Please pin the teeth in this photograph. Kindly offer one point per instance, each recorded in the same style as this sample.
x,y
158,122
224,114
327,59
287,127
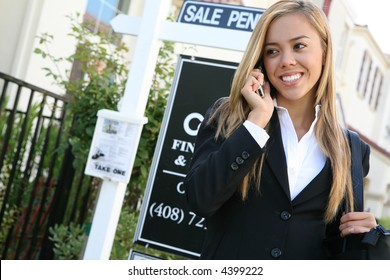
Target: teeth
x,y
291,78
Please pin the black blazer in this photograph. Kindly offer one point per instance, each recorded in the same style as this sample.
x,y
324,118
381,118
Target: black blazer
x,y
267,225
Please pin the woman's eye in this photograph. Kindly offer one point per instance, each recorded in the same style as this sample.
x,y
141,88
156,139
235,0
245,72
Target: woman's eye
x,y
270,51
299,46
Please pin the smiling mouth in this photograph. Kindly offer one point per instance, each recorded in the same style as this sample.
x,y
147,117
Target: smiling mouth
x,y
291,78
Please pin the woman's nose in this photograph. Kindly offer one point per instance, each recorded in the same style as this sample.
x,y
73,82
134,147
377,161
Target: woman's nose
x,y
287,59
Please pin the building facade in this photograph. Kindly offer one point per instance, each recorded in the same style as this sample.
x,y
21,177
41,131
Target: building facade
x,y
363,84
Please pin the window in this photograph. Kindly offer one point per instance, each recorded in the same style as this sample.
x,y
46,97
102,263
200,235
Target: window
x,y
364,76
361,72
98,14
369,84
377,90
101,12
373,86
367,78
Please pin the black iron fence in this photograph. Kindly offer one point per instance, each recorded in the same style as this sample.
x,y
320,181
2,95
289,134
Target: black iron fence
x,y
39,187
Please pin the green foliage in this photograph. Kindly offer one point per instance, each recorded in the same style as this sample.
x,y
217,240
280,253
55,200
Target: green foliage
x,y
385,222
124,236
101,61
68,241
16,136
8,220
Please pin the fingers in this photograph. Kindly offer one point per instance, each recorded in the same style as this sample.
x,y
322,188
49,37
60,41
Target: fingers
x,y
260,104
353,230
254,93
254,84
356,222
250,87
259,76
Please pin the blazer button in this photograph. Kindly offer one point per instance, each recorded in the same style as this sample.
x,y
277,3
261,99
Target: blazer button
x,y
285,215
245,155
234,166
276,253
239,160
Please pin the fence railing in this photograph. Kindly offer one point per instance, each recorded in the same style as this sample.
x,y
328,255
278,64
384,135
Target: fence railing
x,y
38,185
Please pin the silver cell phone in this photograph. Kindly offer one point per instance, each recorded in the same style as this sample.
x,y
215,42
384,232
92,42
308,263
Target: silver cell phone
x,y
260,90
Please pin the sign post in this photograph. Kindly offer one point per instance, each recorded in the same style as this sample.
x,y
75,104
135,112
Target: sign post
x,y
132,107
149,29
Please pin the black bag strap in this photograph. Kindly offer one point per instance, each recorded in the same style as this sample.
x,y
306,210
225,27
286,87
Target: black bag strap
x,y
356,170
357,178
372,237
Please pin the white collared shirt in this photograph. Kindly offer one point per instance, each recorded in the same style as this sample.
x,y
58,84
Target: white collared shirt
x,y
304,158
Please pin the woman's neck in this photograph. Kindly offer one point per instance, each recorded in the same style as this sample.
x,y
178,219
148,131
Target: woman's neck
x,y
301,112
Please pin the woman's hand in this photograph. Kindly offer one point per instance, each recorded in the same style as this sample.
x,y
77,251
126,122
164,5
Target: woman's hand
x,y
261,107
356,222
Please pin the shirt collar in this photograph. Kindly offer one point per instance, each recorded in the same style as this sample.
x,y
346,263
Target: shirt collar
x,y
317,109
287,125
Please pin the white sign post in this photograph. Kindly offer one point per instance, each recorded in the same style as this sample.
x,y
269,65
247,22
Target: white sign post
x,y
132,106
149,29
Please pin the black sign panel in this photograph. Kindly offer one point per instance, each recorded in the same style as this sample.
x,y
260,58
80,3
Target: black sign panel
x,y
166,222
220,15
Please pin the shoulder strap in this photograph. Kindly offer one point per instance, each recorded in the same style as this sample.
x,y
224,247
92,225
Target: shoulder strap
x,y
356,169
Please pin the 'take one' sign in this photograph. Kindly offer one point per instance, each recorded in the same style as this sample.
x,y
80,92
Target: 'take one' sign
x,y
220,15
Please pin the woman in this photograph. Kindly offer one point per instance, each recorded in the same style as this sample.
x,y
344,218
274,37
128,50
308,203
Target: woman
x,y
270,174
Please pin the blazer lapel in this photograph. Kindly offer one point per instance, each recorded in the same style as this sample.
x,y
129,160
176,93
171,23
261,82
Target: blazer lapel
x,y
275,155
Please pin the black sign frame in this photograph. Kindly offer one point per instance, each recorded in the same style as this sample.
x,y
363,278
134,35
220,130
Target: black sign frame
x,y
165,221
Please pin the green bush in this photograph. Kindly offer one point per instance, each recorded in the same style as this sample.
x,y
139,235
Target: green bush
x,y
124,237
9,218
68,241
103,68
385,222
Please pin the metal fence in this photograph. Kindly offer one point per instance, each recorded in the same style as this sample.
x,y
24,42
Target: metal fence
x,y
39,187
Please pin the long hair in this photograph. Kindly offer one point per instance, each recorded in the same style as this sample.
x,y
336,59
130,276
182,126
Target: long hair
x,y
233,111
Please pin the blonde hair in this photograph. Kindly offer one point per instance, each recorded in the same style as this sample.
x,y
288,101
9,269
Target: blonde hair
x,y
233,111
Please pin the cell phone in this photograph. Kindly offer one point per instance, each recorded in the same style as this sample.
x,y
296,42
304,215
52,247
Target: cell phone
x,y
260,91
